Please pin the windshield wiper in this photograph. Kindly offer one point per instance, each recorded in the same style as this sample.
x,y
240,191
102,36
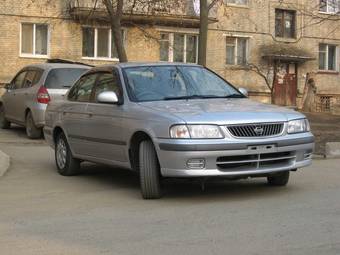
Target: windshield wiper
x,y
187,97
203,97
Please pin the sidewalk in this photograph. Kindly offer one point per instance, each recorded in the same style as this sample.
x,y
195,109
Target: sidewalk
x,y
326,128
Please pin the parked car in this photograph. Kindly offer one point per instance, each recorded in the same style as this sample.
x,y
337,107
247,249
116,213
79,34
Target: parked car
x,y
32,88
174,120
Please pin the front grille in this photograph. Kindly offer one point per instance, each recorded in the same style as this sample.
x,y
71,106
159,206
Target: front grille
x,y
256,130
255,161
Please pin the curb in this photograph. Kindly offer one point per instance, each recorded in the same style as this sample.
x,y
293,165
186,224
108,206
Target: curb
x,y
4,163
332,150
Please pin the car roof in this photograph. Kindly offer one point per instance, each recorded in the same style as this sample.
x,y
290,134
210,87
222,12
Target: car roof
x,y
47,66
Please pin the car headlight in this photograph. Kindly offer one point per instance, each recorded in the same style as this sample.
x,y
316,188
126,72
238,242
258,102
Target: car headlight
x,y
298,126
195,132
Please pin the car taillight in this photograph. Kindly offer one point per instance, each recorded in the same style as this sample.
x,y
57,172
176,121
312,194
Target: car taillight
x,y
43,97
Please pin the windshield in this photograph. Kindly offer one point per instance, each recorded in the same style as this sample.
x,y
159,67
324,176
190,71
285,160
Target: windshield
x,y
155,83
63,77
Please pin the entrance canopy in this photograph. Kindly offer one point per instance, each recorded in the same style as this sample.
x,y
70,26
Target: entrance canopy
x,y
285,52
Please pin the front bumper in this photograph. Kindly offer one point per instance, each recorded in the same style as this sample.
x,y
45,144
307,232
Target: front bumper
x,y
235,158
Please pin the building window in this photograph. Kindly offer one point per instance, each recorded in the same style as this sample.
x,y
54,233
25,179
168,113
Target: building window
x,y
236,2
237,50
98,43
34,39
327,57
177,47
284,23
330,6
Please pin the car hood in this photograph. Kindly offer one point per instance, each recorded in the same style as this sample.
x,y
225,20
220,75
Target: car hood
x,y
223,111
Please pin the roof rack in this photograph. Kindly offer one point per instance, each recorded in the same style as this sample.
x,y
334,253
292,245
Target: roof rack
x,y
65,61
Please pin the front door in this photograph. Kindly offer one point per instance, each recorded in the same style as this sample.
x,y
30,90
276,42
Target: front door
x,y
104,125
285,83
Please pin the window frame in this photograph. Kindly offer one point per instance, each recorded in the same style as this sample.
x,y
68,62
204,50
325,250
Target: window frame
x,y
171,46
226,2
282,24
236,38
327,8
95,45
33,54
326,64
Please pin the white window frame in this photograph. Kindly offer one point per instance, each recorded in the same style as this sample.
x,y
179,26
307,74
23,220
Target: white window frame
x,y
326,59
235,4
327,8
95,55
33,54
171,44
236,37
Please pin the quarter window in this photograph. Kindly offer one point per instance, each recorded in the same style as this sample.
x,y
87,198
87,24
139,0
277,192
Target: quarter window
x,y
330,6
327,57
29,79
34,39
236,50
99,43
284,23
178,47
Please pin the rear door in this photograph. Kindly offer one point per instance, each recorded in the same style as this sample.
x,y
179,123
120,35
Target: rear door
x,y
23,95
75,115
104,127
10,98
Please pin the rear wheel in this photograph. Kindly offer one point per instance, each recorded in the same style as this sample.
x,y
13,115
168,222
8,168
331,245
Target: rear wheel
x,y
149,171
280,179
4,123
66,164
32,131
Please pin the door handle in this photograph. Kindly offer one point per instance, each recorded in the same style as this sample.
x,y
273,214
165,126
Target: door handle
x,y
90,114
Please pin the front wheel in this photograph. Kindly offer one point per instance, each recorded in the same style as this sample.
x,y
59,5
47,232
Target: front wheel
x,y
280,179
4,123
149,171
66,164
32,131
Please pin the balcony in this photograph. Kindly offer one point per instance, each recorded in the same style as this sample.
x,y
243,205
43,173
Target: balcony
x,y
182,13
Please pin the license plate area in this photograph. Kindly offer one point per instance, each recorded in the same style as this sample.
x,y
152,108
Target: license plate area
x,y
266,148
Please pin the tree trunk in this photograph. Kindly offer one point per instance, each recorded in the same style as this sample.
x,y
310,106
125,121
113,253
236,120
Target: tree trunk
x,y
119,40
203,37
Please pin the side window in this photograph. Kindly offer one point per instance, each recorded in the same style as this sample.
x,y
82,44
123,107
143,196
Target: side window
x,y
29,79
18,80
83,89
107,82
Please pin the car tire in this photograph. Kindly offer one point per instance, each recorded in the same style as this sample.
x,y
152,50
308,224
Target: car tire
x,y
32,131
66,164
280,179
4,123
149,171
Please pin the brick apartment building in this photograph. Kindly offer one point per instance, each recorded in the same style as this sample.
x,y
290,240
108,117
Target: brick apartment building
x,y
249,42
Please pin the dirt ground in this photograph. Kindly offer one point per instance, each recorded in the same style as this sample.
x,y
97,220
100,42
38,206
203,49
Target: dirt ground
x,y
326,128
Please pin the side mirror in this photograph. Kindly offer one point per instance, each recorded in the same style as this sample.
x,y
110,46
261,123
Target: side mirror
x,y
107,97
243,91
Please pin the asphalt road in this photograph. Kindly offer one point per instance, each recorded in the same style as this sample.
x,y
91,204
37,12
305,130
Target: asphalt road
x,y
101,211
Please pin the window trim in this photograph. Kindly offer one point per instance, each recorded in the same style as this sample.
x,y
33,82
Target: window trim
x,y
33,54
171,45
237,5
95,57
236,37
326,70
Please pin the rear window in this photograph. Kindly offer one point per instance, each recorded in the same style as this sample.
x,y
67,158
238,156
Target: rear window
x,y
63,77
